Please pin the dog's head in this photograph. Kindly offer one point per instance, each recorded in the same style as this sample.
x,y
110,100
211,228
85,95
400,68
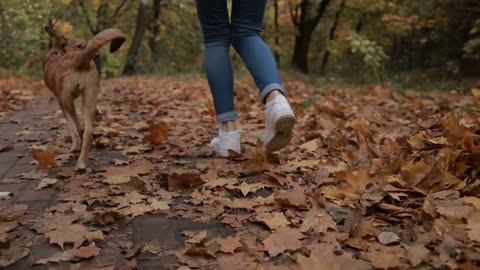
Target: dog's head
x,y
63,43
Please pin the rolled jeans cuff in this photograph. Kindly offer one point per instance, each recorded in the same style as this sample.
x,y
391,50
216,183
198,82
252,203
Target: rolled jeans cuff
x,y
269,88
227,116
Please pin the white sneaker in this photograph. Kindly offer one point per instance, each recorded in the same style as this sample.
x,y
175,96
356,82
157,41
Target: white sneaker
x,y
280,120
224,141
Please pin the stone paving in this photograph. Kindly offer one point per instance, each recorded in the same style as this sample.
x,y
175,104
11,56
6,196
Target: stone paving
x,y
18,160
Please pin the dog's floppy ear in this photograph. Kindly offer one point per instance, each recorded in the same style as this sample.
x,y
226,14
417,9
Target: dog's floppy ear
x,y
60,39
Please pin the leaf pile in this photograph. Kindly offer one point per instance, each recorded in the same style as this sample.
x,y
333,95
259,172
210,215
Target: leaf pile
x,y
373,179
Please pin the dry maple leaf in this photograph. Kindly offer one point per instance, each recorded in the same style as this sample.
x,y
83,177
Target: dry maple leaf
x,y
87,252
415,172
46,159
474,227
283,239
295,198
45,182
229,245
62,256
182,180
417,254
274,220
159,205
324,257
157,133
121,175
388,238
281,179
317,220
75,233
12,254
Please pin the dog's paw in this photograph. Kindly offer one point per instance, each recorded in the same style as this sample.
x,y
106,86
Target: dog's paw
x,y
81,167
75,149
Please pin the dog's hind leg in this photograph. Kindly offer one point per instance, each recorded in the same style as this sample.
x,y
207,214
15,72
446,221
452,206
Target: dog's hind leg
x,y
89,110
73,124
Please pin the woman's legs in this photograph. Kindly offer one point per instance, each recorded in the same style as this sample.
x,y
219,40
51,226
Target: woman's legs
x,y
213,16
246,26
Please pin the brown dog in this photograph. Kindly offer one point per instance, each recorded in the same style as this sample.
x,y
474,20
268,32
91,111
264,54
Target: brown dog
x,y
69,72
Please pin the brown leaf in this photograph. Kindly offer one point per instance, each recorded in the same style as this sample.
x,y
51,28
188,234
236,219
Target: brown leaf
x,y
415,172
196,238
46,159
45,182
274,220
11,255
388,238
153,247
416,254
87,252
283,239
317,220
229,245
76,234
295,198
157,133
324,257
184,180
474,227
62,256
121,175
281,179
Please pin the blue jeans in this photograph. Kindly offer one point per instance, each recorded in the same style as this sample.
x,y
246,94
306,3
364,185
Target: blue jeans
x,y
243,33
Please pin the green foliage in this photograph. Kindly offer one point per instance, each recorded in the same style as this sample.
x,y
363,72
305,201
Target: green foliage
x,y
372,54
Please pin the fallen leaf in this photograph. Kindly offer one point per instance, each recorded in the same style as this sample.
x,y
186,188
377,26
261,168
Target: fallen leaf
x,y
76,234
120,175
196,238
474,227
159,205
229,245
87,252
416,254
324,257
157,133
153,247
11,255
246,188
295,198
317,220
283,239
46,159
62,256
46,182
388,238
415,172
281,179
183,180
274,220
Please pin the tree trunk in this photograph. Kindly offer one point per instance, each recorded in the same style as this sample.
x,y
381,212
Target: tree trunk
x,y
306,26
326,56
141,26
154,28
277,38
300,51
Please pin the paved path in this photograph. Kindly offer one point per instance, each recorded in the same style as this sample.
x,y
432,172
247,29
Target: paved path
x,y
18,160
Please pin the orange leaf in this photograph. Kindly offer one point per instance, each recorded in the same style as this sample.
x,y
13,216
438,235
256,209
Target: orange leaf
x,y
46,159
157,133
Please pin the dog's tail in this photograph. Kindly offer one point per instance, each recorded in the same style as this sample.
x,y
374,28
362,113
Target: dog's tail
x,y
112,35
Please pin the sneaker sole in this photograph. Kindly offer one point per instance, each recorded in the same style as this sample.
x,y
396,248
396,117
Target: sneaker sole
x,y
283,133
